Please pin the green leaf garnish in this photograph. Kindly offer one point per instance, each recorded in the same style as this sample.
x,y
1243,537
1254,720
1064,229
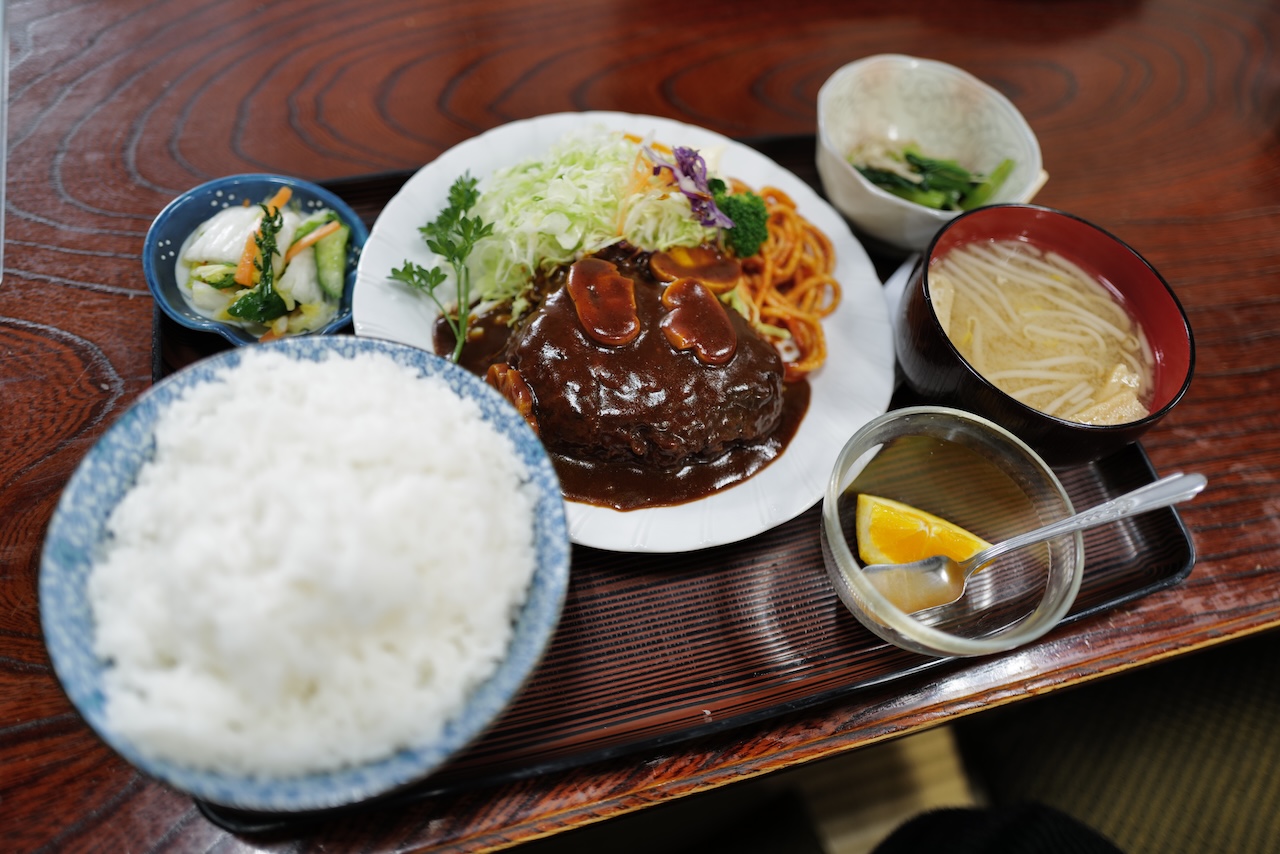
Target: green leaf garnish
x,y
451,235
261,304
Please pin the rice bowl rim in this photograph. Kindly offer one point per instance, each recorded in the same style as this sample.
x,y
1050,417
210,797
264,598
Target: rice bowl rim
x,y
109,469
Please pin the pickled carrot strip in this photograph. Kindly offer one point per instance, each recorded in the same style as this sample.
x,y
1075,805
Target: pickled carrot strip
x,y
244,269
311,237
280,199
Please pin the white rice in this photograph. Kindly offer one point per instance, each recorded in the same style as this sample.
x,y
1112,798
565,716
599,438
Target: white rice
x,y
320,564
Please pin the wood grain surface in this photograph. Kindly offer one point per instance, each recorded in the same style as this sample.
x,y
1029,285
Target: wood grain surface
x,y
1158,120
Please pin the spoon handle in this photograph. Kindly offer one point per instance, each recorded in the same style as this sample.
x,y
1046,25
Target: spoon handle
x,y
1170,489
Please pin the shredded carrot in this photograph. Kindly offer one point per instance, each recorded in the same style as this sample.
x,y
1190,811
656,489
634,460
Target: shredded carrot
x,y
310,238
640,180
245,269
656,146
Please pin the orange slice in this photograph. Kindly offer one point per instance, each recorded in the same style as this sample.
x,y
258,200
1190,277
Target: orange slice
x,y
892,532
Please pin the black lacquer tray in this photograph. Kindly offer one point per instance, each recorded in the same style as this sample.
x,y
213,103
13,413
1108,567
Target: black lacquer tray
x,y
655,649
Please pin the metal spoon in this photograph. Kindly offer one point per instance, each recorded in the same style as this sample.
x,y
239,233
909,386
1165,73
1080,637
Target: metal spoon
x,y
939,580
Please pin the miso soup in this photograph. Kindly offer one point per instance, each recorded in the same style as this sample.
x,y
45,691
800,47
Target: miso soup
x,y
1043,330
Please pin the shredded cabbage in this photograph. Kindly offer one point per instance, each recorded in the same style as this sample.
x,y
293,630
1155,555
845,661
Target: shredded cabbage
x,y
589,191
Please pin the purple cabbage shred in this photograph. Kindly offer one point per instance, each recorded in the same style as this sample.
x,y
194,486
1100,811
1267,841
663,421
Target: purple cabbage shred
x,y
690,174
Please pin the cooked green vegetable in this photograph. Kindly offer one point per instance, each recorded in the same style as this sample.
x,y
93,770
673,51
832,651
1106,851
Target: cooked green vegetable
x,y
262,304
750,218
451,235
982,193
930,181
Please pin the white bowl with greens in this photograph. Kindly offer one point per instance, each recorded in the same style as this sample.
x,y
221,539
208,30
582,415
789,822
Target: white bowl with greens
x,y
907,144
200,255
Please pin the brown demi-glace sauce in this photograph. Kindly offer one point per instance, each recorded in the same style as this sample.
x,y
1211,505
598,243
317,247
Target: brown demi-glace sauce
x,y
645,392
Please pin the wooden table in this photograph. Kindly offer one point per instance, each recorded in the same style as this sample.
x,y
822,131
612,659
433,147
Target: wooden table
x,y
1157,121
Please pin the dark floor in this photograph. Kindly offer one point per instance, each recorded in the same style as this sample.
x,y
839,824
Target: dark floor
x,y
1177,757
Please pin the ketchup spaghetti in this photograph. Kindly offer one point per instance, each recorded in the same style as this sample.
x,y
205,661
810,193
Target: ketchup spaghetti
x,y
788,285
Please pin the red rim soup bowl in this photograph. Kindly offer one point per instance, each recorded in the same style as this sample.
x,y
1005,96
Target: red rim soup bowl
x,y
937,373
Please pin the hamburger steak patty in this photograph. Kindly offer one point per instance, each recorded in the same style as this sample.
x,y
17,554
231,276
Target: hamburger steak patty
x,y
643,401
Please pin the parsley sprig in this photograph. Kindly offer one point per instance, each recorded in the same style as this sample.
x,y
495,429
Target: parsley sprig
x,y
451,235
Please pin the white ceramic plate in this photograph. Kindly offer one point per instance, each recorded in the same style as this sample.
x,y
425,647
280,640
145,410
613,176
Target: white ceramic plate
x,y
853,387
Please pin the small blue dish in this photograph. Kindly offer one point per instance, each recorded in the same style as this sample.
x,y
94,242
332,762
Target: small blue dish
x,y
173,225
109,470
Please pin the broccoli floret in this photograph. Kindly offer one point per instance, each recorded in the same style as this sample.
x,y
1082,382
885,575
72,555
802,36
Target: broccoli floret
x,y
749,215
